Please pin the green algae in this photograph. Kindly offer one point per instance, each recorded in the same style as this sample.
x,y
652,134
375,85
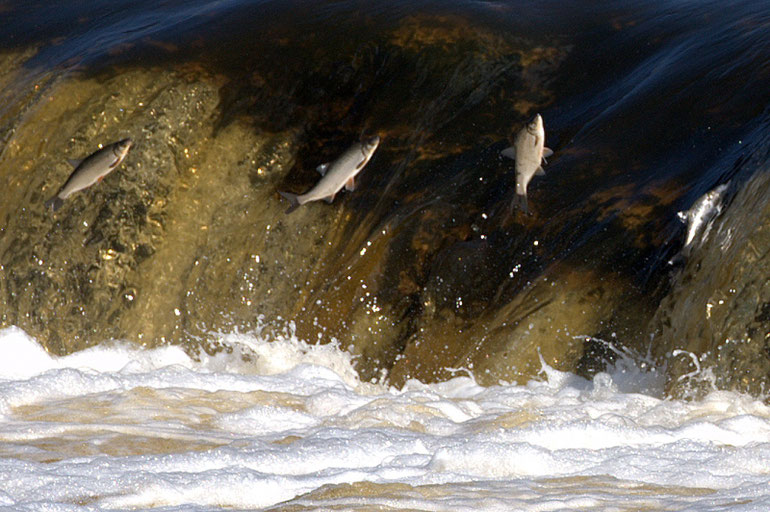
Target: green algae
x,y
419,272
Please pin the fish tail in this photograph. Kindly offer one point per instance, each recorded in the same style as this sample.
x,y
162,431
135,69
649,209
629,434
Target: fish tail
x,y
54,203
292,198
520,202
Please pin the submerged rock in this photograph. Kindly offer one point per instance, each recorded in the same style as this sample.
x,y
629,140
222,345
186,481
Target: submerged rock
x,y
418,272
545,322
114,262
189,238
713,328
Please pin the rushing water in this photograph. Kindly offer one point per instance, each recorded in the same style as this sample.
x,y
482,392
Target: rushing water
x,y
171,340
113,428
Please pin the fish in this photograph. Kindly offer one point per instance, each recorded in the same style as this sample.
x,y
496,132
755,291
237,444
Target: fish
x,y
91,170
529,151
700,217
337,174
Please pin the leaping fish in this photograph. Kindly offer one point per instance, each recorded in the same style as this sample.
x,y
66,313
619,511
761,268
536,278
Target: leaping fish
x,y
529,151
91,170
700,216
337,174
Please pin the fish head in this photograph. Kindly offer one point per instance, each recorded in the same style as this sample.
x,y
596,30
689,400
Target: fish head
x,y
535,127
122,147
369,145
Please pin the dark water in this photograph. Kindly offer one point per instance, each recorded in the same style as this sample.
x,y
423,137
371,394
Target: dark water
x,y
647,106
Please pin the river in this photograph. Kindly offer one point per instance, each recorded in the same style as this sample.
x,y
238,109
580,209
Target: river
x,y
173,340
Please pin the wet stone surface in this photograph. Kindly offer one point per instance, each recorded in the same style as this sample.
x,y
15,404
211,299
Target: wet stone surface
x,y
423,269
713,328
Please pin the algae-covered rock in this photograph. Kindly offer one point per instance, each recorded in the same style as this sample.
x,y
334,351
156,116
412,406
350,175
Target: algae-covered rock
x,y
547,321
713,328
420,269
124,258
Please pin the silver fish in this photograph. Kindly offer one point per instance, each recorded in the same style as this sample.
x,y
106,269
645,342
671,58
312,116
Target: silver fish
x,y
529,151
337,174
91,170
700,216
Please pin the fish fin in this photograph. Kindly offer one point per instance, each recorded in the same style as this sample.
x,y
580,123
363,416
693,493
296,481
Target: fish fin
x,y
520,202
75,162
350,184
540,172
322,169
547,152
509,152
329,199
292,198
682,216
54,203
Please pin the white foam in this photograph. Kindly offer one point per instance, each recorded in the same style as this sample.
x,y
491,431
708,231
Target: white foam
x,y
118,427
30,359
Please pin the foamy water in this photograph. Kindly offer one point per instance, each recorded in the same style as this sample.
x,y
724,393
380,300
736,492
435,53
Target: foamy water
x,y
292,428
